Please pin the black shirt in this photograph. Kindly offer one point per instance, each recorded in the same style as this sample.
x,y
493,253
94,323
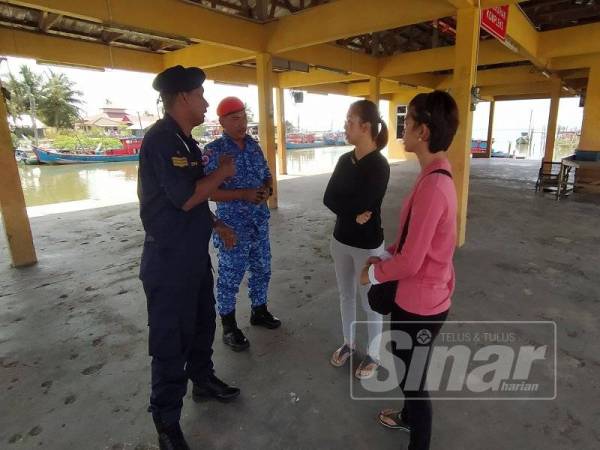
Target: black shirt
x,y
357,186
176,243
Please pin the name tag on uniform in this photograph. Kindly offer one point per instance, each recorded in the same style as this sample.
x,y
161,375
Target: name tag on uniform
x,y
180,161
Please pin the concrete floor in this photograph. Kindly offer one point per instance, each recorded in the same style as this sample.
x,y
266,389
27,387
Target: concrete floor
x,y
73,352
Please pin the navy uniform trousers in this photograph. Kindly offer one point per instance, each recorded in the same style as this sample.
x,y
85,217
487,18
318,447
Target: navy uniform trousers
x,y
182,330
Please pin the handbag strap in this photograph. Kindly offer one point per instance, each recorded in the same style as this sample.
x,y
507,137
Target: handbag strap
x,y
407,221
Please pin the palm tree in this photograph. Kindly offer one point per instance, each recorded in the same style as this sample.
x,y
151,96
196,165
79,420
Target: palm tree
x,y
25,92
25,95
60,101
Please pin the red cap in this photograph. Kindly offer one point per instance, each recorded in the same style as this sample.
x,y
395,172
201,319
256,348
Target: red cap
x,y
230,105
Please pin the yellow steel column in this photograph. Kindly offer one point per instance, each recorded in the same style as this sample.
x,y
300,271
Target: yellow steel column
x,y
12,201
588,178
280,125
374,89
552,119
266,128
490,131
590,130
465,60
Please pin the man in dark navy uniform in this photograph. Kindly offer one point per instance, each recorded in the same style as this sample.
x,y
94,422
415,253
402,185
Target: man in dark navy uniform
x,y
176,270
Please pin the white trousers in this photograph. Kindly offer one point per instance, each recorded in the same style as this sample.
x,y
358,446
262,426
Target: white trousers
x,y
349,262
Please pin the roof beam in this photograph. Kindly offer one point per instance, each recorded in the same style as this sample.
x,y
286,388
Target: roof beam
x,y
314,77
336,57
109,37
47,20
491,77
334,88
235,75
427,80
517,89
156,45
570,41
345,18
168,17
574,62
521,32
76,52
442,58
386,87
205,56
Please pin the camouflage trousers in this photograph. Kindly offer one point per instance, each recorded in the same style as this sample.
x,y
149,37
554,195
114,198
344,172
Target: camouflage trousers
x,y
252,253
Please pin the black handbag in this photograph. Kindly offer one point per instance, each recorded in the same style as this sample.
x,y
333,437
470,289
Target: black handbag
x,y
383,296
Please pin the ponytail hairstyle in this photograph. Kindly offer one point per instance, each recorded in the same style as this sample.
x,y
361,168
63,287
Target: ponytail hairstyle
x,y
368,112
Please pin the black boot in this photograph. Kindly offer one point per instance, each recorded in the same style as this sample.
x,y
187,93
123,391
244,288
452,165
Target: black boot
x,y
170,436
262,317
214,389
232,335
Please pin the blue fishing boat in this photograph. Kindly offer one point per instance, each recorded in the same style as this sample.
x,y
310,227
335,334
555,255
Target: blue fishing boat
x,y
54,157
130,151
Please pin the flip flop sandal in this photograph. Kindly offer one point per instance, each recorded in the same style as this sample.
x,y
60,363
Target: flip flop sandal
x,y
367,368
341,355
395,417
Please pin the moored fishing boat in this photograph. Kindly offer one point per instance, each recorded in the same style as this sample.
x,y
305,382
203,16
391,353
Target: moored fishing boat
x,y
129,151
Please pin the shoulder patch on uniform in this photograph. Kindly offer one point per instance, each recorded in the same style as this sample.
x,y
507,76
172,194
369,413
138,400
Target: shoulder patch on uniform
x,y
180,161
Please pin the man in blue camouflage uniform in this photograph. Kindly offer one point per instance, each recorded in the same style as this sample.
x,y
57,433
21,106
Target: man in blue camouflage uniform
x,y
175,269
241,204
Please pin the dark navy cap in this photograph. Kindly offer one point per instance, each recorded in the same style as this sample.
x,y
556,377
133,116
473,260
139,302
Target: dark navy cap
x,y
178,79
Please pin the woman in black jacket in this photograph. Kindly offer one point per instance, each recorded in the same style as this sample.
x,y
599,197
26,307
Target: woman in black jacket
x,y
355,193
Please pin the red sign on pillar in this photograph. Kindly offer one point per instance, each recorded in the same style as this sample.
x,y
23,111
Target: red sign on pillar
x,y
495,20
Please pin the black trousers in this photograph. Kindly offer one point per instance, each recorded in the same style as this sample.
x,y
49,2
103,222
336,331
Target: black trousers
x,y
417,411
182,330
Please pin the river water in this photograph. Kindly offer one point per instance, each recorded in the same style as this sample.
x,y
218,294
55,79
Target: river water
x,y
94,185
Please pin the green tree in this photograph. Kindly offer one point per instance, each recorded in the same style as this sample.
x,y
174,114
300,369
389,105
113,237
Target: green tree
x,y
59,104
54,97
25,91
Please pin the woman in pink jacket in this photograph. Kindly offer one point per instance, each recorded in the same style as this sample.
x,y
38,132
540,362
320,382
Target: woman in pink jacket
x,y
421,260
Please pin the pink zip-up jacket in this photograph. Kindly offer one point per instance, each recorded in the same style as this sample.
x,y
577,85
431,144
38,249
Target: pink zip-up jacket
x,y
424,268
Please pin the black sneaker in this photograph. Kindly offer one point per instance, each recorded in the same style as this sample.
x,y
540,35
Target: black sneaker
x,y
232,335
214,389
170,437
261,316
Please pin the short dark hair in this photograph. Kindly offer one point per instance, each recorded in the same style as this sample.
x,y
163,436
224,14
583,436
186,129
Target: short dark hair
x,y
367,111
439,112
168,99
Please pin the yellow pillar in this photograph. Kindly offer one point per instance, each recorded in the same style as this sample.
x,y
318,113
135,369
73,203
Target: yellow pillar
x,y
374,90
266,128
552,119
490,131
588,178
590,130
465,60
280,122
12,201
